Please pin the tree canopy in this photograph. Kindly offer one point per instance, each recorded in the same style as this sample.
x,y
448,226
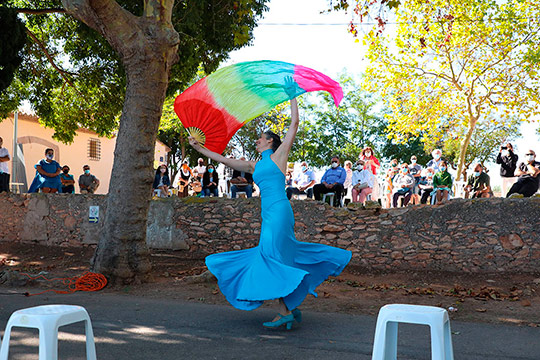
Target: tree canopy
x,y
73,78
324,130
452,65
107,65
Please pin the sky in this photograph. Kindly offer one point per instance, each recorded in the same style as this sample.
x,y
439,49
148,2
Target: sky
x,y
329,49
326,48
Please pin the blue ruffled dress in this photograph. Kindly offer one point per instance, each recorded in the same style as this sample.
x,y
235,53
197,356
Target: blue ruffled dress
x,y
41,181
280,266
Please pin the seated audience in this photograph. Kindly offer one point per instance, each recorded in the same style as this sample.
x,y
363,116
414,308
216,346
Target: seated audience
x,y
435,163
210,181
241,182
331,182
303,182
528,173
200,169
88,183
289,177
426,186
442,183
196,186
183,182
478,184
68,181
390,174
162,180
4,168
372,164
508,161
362,183
47,175
403,184
370,161
348,179
416,171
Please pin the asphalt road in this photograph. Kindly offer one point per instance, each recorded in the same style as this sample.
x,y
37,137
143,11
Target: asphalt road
x,y
128,327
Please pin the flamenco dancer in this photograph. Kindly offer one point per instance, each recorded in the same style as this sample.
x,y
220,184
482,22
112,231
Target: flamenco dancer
x,y
280,267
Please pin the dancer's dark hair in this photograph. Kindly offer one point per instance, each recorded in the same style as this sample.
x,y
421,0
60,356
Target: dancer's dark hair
x,y
276,141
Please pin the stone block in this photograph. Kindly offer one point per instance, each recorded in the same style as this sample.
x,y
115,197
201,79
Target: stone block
x,y
511,241
333,228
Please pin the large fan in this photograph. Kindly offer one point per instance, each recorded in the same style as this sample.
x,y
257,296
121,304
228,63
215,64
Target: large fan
x,y
215,107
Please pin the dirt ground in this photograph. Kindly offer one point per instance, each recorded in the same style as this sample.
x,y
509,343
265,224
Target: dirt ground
x,y
502,298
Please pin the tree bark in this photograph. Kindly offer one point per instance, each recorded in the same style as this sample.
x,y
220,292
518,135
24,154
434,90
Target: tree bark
x,y
148,47
122,251
464,146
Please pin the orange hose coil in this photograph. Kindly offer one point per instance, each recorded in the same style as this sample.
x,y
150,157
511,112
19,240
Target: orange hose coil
x,y
89,281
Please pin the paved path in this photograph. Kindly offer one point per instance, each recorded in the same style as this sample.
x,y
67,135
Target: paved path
x,y
128,327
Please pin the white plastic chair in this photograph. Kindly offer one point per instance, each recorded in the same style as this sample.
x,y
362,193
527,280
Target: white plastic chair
x,y
300,196
331,196
238,193
386,331
48,318
434,198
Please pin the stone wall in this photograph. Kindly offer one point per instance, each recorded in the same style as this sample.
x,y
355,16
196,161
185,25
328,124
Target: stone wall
x,y
481,235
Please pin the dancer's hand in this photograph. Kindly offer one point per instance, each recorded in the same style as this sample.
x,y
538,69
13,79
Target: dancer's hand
x,y
290,87
194,143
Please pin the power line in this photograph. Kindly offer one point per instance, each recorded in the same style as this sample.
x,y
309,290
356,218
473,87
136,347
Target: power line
x,y
457,20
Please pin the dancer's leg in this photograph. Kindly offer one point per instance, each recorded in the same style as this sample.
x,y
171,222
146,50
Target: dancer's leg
x,y
283,308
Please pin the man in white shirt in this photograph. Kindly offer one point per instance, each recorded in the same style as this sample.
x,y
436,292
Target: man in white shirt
x,y
436,161
302,182
362,183
415,170
200,169
4,168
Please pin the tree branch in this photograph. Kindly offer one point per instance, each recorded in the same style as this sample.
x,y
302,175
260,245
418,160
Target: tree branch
x,y
40,11
159,9
62,72
441,76
108,18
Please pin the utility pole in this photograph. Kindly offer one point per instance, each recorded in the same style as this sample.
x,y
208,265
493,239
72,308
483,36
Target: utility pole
x,y
15,148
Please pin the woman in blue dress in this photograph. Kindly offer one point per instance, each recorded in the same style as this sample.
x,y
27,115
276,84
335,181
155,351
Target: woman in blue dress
x,y
280,267
47,175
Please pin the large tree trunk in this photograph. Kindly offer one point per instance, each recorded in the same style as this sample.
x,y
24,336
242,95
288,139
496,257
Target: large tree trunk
x,y
122,251
464,146
148,47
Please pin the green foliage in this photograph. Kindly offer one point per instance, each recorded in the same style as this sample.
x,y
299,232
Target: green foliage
x,y
484,145
326,131
404,151
453,65
12,38
243,142
82,82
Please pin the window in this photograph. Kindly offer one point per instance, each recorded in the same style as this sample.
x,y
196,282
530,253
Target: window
x,y
94,149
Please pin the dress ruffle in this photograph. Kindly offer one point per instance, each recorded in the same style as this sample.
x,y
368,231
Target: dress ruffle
x,y
279,266
247,278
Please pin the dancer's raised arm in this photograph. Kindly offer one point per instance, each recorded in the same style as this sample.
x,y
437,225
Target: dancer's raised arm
x,y
281,155
240,165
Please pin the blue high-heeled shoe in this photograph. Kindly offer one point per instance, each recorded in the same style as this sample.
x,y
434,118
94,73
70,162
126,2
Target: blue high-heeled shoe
x,y
297,315
286,320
